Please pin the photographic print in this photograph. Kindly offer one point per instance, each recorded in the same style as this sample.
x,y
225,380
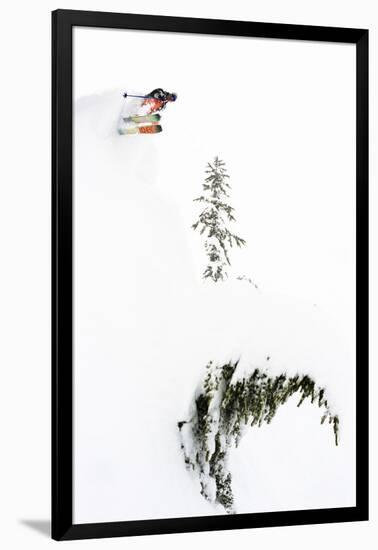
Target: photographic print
x,y
214,277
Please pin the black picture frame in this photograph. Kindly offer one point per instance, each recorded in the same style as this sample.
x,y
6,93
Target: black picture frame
x,y
63,22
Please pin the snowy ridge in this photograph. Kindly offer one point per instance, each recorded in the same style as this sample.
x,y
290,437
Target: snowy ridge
x,y
145,338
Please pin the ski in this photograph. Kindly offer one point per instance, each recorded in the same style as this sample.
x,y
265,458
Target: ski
x,y
150,129
147,118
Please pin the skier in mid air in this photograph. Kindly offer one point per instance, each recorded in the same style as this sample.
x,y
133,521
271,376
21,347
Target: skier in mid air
x,y
143,112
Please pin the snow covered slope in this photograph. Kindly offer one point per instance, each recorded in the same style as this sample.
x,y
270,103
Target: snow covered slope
x,y
145,326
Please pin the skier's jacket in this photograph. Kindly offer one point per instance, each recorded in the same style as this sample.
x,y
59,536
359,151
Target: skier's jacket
x,y
152,104
157,100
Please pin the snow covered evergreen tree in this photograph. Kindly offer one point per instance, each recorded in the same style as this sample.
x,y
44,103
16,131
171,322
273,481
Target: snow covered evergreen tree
x,y
223,409
214,219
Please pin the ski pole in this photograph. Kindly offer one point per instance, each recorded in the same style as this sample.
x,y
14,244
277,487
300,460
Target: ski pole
x,y
131,95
